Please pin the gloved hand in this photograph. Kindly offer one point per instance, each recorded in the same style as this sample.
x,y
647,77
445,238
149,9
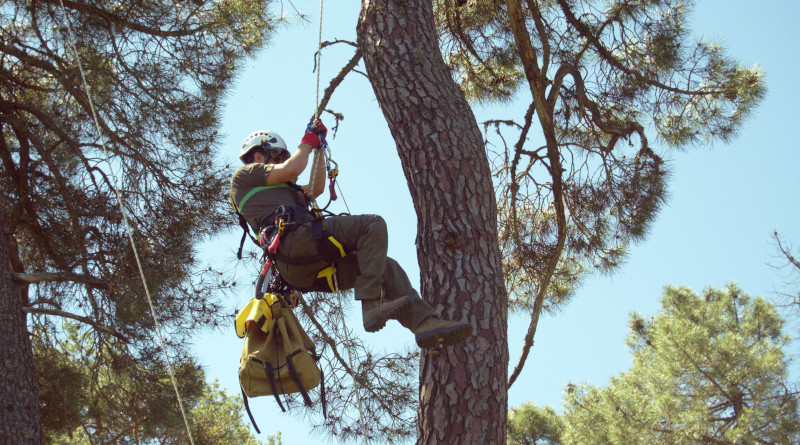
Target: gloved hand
x,y
315,133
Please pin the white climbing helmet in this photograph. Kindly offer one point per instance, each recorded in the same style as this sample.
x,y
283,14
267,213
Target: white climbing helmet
x,y
269,140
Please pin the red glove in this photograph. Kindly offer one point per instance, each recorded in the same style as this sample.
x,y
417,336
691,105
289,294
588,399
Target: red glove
x,y
311,139
319,128
313,132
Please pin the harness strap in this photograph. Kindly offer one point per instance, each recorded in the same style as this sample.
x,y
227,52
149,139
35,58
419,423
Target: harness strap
x,y
245,232
329,249
243,222
258,189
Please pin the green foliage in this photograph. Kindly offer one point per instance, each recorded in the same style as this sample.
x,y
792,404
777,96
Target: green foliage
x,y
707,369
578,178
111,404
531,425
157,72
274,439
486,72
217,419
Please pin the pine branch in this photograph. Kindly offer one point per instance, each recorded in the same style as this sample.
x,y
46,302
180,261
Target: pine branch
x,y
326,95
786,251
536,81
115,19
332,343
606,54
82,319
38,277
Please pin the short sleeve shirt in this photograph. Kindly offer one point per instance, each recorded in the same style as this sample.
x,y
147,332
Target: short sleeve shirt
x,y
263,203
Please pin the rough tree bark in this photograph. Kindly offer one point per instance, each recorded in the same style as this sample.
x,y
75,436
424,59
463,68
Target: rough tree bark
x,y
20,418
463,396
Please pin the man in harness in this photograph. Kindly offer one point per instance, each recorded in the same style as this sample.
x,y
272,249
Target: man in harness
x,y
265,186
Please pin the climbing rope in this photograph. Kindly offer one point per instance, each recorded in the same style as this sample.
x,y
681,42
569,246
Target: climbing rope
x,y
125,218
350,359
318,64
319,61
324,158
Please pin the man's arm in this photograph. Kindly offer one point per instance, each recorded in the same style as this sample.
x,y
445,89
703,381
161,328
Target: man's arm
x,y
290,169
318,175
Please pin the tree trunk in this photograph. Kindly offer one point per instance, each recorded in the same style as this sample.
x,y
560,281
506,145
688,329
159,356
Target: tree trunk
x,y
20,419
463,396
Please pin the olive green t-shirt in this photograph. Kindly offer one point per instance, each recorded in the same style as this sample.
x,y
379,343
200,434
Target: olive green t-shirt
x,y
263,203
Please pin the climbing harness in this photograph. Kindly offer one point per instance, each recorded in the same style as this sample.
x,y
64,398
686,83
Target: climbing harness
x,y
128,229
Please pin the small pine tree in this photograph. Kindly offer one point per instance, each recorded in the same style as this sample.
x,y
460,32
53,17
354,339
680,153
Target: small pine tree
x,y
707,369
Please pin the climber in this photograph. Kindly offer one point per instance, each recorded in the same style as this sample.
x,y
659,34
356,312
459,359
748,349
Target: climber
x,y
379,282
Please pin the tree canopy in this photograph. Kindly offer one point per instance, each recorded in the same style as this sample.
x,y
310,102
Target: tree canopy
x,y
532,425
157,73
612,86
609,88
708,368
85,403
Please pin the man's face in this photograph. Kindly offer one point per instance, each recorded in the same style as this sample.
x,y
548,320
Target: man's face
x,y
267,156
273,156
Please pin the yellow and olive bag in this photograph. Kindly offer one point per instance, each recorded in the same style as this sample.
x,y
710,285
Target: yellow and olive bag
x,y
278,356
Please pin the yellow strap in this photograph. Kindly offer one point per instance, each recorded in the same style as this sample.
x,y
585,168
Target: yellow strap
x,y
338,246
328,274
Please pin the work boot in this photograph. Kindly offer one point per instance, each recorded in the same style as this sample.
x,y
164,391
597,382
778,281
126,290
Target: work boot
x,y
435,331
376,312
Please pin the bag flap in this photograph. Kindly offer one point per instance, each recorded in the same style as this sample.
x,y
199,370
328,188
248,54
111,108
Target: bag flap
x,y
260,312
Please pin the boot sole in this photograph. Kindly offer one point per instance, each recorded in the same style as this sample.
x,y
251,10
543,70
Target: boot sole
x,y
444,336
377,322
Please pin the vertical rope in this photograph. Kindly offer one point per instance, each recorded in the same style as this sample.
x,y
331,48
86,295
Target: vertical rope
x,y
319,61
335,280
350,359
125,218
314,165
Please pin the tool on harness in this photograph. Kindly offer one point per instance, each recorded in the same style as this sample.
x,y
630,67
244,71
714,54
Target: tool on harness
x,y
333,173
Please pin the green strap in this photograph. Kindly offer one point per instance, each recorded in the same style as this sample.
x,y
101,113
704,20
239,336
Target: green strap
x,y
256,190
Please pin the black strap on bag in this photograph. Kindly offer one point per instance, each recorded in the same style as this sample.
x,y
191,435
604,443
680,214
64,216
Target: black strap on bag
x,y
250,414
270,372
296,378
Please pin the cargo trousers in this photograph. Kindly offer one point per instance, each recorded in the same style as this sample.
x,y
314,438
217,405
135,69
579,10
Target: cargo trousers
x,y
369,272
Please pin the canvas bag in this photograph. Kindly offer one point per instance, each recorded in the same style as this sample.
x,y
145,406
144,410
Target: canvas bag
x,y
278,356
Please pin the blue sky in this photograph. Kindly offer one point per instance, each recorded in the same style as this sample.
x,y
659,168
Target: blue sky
x,y
725,200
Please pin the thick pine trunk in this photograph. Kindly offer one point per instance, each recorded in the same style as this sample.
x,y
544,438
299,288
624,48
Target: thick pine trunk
x,y
20,419
463,396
